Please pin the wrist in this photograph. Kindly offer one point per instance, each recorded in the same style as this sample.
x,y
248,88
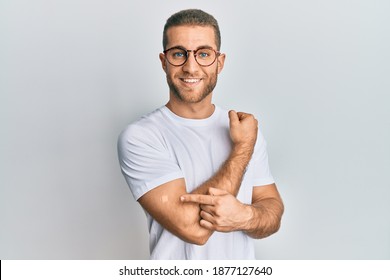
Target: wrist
x,y
243,148
243,152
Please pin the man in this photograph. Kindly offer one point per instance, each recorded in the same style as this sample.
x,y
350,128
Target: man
x,y
201,173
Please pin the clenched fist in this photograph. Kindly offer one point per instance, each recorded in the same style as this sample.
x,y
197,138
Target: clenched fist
x,y
243,129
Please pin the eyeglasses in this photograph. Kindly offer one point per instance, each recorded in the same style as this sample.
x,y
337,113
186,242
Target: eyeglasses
x,y
177,56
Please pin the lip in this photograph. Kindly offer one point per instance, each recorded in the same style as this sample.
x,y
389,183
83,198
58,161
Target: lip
x,y
191,81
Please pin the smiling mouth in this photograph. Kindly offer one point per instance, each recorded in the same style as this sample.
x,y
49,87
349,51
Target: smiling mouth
x,y
191,81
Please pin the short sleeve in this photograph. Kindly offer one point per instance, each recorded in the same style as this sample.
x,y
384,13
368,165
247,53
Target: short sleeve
x,y
145,160
261,170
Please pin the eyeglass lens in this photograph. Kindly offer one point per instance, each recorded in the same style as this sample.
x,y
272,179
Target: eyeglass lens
x,y
204,57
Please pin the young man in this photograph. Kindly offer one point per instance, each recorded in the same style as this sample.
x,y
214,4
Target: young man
x,y
200,172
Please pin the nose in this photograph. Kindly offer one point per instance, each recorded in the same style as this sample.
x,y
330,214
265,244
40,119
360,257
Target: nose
x,y
191,65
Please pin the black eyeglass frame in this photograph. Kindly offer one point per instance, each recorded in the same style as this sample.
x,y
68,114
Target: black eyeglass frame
x,y
217,54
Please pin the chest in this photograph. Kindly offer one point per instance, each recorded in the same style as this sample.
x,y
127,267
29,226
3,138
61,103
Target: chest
x,y
198,151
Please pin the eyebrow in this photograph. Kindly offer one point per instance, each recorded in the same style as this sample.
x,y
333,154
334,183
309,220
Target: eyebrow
x,y
199,47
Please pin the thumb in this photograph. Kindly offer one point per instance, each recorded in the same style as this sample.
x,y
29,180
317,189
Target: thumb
x,y
233,117
214,191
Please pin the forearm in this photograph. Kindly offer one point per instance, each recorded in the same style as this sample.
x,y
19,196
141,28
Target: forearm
x,y
183,218
228,178
263,218
221,211
230,175
243,133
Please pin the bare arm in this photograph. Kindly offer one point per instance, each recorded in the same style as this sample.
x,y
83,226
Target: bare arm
x,y
243,132
267,209
223,212
182,219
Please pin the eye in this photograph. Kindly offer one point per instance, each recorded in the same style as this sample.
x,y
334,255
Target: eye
x,y
178,54
203,54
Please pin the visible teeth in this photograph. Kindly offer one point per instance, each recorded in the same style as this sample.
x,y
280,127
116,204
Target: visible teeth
x,y
191,80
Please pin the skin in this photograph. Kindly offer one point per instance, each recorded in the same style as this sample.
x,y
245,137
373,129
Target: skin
x,y
193,101
212,206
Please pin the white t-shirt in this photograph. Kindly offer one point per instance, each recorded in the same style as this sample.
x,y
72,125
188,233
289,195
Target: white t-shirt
x,y
161,147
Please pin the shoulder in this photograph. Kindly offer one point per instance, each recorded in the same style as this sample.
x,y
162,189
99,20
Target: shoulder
x,y
147,129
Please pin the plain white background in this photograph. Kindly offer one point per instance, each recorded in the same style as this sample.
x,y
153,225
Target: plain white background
x,y
73,74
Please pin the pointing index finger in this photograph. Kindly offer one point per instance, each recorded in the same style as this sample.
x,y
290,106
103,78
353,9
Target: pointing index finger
x,y
198,198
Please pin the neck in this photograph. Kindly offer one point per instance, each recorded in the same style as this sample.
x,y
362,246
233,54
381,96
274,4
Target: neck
x,y
199,110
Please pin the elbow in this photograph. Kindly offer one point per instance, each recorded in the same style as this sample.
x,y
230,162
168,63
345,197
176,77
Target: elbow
x,y
265,232
198,236
272,226
276,227
277,220
276,217
190,230
199,241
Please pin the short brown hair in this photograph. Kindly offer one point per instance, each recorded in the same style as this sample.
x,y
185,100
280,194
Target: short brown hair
x,y
192,17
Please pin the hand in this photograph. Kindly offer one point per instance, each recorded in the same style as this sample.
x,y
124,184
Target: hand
x,y
243,129
220,211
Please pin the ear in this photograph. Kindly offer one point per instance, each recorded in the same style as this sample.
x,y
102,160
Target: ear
x,y
221,62
163,62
